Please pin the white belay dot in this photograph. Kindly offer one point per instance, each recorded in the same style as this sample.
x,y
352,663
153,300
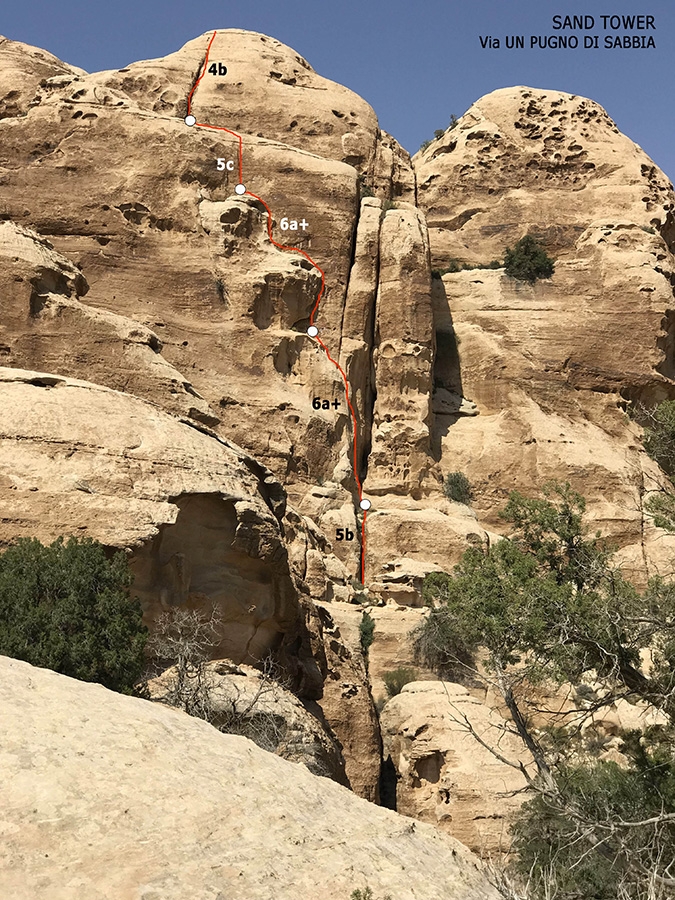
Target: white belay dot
x,y
190,120
365,504
312,331
240,188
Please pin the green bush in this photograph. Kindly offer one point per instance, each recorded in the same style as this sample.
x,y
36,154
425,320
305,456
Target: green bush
x,y
366,632
457,487
365,189
67,607
548,605
366,894
659,435
438,641
659,442
553,851
439,132
527,261
395,680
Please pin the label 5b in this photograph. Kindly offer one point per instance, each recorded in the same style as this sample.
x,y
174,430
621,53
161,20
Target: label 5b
x,y
344,534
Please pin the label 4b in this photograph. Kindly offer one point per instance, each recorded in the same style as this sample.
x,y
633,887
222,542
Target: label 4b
x,y
217,69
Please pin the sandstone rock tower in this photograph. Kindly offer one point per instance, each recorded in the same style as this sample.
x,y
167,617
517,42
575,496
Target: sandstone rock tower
x,y
160,391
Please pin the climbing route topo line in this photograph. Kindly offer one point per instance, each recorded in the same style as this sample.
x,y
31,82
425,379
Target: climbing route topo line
x,y
312,331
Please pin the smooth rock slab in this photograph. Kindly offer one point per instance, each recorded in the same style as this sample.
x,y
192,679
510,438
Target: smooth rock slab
x,y
107,797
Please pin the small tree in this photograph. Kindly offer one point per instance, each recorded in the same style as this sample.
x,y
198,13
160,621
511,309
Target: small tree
x,y
182,643
527,261
457,487
659,433
183,639
548,605
395,681
366,632
68,607
439,132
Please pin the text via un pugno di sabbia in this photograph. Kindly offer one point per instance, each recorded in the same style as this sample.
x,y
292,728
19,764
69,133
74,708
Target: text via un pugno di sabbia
x,y
619,32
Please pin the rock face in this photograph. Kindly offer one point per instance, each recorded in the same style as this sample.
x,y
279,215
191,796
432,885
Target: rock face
x,y
47,326
403,354
22,69
190,305
108,796
193,511
523,160
444,775
152,326
347,701
551,366
392,646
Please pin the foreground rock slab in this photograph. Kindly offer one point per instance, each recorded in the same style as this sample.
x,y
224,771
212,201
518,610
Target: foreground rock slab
x,y
106,796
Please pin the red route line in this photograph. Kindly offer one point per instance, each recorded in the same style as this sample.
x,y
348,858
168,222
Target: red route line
x,y
197,82
318,299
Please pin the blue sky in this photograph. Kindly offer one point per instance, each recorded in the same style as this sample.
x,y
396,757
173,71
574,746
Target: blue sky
x,y
415,62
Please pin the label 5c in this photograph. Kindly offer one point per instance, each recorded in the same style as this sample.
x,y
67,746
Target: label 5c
x,y
223,164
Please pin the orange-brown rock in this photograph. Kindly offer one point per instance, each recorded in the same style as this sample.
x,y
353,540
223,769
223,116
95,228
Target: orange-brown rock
x,y
347,701
23,69
130,264
162,240
550,366
201,521
525,160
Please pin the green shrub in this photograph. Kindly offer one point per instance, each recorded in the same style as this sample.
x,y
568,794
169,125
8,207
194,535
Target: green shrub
x,y
659,434
395,680
553,850
366,632
437,641
439,132
365,189
67,607
548,605
454,265
366,894
527,261
457,487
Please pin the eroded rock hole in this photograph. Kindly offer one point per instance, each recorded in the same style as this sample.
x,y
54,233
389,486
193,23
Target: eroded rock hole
x,y
203,562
